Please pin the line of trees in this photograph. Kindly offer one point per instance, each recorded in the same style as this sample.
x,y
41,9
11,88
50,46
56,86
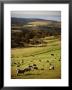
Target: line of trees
x,y
32,35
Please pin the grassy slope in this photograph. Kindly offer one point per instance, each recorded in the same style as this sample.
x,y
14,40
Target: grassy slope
x,y
39,56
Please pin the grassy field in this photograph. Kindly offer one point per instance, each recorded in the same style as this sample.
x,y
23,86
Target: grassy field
x,y
41,56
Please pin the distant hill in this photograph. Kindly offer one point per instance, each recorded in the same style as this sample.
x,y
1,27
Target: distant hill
x,y
34,21
19,24
15,20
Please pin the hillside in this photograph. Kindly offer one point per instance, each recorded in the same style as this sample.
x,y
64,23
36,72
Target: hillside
x,y
35,49
33,21
25,29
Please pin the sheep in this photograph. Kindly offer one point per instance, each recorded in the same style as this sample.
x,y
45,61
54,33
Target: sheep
x,y
27,69
18,65
51,67
50,63
23,71
19,71
59,60
52,54
34,65
15,63
39,60
31,67
36,68
42,68
47,60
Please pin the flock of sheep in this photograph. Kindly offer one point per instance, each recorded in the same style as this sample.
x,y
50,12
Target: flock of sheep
x,y
34,67
31,68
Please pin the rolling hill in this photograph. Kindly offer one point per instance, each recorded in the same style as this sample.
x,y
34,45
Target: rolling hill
x,y
34,21
24,29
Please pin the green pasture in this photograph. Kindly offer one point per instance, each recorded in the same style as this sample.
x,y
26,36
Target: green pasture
x,y
41,56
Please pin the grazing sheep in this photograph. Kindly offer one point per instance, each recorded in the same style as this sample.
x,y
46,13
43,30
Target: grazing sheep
x,y
19,71
15,63
27,69
36,68
50,64
18,65
31,67
42,68
47,60
52,54
23,71
59,60
51,67
34,65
